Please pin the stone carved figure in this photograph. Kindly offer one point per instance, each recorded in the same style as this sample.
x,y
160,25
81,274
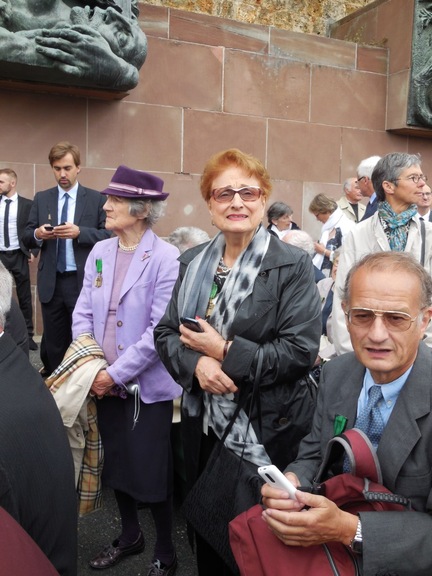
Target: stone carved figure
x,y
420,98
92,43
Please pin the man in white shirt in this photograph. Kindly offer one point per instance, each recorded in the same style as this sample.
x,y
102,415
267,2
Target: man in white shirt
x,y
424,203
14,213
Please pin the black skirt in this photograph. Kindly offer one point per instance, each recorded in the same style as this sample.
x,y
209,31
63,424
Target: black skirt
x,y
137,461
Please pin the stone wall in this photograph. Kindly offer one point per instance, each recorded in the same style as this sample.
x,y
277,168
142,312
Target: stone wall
x,y
310,107
309,16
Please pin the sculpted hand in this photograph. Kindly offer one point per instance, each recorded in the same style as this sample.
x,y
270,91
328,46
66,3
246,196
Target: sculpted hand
x,y
211,377
323,522
209,342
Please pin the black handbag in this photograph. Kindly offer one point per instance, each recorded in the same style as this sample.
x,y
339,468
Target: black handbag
x,y
227,486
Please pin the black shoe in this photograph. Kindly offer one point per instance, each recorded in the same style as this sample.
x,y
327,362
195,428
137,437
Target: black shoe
x,y
32,344
157,568
113,553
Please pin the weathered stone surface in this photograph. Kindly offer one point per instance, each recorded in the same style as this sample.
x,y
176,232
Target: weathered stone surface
x,y
310,16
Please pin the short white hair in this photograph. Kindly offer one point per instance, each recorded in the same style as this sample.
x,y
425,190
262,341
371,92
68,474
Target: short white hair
x,y
301,239
366,166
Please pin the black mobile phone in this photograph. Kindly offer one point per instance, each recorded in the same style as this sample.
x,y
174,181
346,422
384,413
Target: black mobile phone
x,y
192,324
48,227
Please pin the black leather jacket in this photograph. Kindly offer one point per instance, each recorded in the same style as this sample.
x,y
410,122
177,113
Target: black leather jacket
x,y
282,315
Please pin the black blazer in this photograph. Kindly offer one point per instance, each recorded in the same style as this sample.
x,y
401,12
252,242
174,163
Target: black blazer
x,y
89,216
37,481
24,207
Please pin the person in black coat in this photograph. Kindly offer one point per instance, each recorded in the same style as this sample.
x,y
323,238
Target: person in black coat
x,y
37,485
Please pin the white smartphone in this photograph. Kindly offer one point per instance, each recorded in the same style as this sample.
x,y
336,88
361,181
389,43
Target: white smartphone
x,y
273,476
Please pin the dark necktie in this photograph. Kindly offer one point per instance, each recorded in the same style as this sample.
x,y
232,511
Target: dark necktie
x,y
61,243
370,420
6,223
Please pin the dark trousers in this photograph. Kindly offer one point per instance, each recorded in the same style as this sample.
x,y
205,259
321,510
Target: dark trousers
x,y
17,263
57,320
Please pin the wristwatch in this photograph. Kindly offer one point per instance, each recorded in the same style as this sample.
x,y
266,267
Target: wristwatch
x,y
356,543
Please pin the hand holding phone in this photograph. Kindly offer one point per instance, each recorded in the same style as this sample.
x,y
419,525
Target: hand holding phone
x,y
273,476
48,227
192,324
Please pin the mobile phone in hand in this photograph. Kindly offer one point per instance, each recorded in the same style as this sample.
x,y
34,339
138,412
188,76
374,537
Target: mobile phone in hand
x,y
48,227
192,324
273,476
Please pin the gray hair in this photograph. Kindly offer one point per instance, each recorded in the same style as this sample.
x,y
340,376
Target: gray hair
x,y
277,210
5,293
139,205
366,166
301,239
395,262
390,167
186,237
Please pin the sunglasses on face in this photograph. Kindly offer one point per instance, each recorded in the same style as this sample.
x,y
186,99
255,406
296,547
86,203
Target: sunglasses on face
x,y
226,194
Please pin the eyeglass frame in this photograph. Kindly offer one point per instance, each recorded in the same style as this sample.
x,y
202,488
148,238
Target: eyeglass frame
x,y
382,314
425,193
361,178
415,178
236,191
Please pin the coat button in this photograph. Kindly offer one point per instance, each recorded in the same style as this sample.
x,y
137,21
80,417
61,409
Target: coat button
x,y
120,347
283,421
120,323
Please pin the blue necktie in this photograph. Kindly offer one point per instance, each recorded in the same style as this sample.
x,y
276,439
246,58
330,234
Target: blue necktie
x,y
370,420
61,243
6,224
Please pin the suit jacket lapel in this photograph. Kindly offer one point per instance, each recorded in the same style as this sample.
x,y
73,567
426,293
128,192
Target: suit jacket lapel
x,y
139,262
52,207
80,203
402,432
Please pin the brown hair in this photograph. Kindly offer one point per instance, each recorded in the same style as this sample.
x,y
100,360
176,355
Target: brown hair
x,y
234,157
322,204
11,173
60,150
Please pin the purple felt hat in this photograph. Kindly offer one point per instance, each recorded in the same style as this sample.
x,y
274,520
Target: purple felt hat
x,y
132,183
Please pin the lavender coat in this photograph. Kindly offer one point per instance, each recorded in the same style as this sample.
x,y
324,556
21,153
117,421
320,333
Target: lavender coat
x,y
144,295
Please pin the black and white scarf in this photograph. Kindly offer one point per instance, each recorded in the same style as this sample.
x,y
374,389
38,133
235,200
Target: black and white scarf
x,y
193,301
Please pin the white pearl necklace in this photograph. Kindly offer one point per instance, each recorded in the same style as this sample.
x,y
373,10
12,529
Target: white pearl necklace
x,y
128,248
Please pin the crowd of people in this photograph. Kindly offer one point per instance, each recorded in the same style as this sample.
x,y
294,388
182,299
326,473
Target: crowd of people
x,y
132,322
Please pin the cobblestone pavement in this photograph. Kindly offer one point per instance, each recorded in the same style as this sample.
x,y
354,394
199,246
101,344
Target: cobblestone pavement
x,y
100,528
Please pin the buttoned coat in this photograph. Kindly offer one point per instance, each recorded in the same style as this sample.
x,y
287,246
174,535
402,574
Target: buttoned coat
x,y
89,216
144,296
393,542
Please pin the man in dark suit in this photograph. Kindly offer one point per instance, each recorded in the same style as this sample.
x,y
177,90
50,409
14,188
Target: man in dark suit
x,y
424,203
65,222
14,213
388,305
364,182
37,486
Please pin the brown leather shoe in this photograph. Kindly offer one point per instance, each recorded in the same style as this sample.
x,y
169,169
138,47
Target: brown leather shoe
x,y
113,553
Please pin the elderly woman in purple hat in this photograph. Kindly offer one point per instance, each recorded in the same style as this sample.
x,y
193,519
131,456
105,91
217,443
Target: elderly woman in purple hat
x,y
128,282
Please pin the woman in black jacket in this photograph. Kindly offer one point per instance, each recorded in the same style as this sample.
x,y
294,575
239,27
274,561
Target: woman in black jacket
x,y
248,292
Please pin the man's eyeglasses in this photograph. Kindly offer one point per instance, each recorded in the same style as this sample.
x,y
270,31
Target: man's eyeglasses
x,y
226,194
414,178
393,320
361,178
427,194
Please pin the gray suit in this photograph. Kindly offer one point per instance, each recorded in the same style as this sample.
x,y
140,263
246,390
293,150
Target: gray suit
x,y
398,543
